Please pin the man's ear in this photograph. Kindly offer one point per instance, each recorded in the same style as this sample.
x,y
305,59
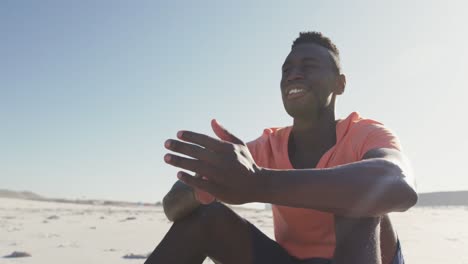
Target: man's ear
x,y
340,84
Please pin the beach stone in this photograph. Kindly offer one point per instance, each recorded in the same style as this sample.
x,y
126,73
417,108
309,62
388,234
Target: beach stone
x,y
129,218
18,254
135,256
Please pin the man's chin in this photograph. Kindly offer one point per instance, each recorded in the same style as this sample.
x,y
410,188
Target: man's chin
x,y
301,112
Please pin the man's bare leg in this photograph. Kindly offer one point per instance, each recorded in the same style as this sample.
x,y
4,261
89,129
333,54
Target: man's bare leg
x,y
218,232
357,240
212,230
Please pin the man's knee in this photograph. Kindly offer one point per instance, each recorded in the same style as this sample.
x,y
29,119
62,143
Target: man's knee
x,y
210,218
220,232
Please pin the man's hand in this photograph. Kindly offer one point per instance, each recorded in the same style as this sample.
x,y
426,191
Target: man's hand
x,y
202,196
227,169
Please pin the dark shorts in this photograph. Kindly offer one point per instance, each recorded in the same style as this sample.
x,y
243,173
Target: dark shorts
x,y
268,251
398,258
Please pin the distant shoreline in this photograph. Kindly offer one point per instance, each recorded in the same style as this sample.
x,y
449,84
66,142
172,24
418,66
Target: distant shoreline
x,y
431,199
28,195
454,198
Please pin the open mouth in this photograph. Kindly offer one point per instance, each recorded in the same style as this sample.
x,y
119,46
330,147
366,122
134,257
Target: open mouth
x,y
295,93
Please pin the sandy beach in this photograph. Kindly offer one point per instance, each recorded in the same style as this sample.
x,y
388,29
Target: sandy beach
x,y
54,232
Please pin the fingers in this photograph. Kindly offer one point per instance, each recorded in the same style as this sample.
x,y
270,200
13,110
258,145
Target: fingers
x,y
203,197
196,182
194,165
193,151
223,134
204,141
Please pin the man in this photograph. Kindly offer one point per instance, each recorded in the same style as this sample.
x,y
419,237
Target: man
x,y
331,182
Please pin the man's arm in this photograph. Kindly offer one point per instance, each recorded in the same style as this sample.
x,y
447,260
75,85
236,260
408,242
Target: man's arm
x,y
379,184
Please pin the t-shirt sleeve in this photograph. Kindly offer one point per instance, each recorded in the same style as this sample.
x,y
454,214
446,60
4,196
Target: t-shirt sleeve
x,y
257,147
261,149
378,136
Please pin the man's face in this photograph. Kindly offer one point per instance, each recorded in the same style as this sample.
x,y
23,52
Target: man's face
x,y
308,80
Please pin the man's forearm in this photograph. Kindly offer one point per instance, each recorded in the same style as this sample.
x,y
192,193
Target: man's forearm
x,y
362,189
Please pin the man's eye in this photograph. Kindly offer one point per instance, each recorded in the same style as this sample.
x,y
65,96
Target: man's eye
x,y
285,70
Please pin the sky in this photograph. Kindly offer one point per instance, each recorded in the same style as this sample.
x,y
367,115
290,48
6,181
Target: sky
x,y
90,90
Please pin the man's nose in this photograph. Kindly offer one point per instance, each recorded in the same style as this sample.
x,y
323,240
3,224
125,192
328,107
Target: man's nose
x,y
295,74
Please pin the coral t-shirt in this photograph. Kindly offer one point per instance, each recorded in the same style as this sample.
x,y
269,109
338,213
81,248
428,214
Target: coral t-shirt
x,y
307,233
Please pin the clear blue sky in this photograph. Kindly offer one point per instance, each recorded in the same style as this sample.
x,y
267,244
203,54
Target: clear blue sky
x,y
90,90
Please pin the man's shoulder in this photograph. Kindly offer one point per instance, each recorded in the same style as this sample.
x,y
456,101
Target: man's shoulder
x,y
270,145
359,126
357,135
272,135
366,133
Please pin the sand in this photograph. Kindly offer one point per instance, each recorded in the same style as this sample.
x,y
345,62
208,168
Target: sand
x,y
75,233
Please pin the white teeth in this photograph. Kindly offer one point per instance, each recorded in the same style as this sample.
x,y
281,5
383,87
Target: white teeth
x,y
295,90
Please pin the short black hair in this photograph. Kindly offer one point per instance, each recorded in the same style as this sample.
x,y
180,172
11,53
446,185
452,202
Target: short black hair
x,y
321,40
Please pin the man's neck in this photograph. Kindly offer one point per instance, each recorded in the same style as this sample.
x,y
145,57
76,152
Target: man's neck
x,y
319,131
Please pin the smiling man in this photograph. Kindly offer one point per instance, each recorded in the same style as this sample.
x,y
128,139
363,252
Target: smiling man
x,y
331,182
